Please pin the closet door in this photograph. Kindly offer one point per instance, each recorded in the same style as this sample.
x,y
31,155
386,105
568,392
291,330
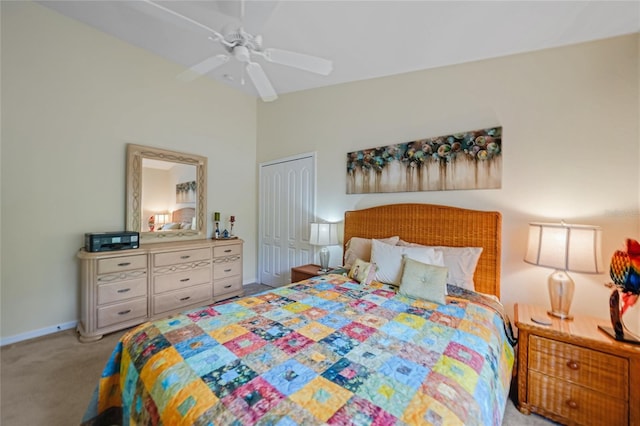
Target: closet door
x,y
286,208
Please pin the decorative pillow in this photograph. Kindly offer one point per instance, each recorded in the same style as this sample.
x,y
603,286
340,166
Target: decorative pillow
x,y
363,272
388,258
360,248
460,261
185,225
171,225
422,281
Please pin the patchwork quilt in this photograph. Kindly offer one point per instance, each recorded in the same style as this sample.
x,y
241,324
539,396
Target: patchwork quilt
x,y
323,351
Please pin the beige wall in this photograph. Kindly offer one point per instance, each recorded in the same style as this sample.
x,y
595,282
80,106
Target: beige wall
x,y
571,144
72,98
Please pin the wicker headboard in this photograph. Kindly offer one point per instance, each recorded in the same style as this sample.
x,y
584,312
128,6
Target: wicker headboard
x,y
185,214
435,225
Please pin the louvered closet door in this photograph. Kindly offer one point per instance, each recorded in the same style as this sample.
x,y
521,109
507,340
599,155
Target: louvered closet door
x,y
287,201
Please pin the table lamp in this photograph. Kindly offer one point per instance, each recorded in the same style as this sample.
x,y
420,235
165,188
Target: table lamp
x,y
564,248
324,234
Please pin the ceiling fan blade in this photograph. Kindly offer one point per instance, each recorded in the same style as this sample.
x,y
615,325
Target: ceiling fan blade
x,y
261,82
203,67
172,14
299,60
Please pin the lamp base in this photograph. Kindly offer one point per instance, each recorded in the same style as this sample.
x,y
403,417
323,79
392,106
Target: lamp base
x,y
324,260
560,315
561,289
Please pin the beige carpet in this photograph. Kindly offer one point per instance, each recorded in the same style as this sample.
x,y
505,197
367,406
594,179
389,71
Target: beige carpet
x,y
50,380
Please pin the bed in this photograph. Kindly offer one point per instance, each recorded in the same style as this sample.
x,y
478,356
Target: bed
x,y
329,350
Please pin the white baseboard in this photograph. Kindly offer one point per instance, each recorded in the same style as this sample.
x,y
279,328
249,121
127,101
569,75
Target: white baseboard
x,y
37,333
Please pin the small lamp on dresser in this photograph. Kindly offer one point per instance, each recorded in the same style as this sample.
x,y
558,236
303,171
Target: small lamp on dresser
x,y
564,247
324,234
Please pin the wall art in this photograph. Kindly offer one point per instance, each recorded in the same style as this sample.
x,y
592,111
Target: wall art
x,y
186,192
466,160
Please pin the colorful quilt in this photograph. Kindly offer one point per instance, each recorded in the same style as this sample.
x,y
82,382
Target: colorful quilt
x,y
323,351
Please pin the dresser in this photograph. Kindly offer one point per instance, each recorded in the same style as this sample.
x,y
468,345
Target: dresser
x,y
119,289
572,373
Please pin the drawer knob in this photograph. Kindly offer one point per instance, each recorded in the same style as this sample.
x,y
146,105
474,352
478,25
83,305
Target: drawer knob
x,y
124,264
124,312
227,270
123,290
574,365
227,251
572,404
186,256
184,280
185,298
227,286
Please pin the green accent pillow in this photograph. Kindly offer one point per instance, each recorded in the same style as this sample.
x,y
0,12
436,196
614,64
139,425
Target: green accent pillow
x,y
423,281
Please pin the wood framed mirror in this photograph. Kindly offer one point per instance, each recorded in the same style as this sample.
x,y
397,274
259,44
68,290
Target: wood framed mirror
x,y
166,194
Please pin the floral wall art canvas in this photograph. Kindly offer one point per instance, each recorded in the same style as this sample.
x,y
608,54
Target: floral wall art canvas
x,y
465,160
186,192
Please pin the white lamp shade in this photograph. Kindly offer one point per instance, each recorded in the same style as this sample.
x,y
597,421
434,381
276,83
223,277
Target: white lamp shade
x,y
323,234
565,247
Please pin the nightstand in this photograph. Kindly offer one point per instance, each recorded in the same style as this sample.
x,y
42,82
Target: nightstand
x,y
571,372
304,272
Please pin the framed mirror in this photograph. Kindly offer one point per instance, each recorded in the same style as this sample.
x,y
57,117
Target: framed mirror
x,y
166,194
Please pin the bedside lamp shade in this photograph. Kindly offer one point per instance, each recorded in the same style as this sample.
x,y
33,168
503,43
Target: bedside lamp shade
x,y
323,234
564,248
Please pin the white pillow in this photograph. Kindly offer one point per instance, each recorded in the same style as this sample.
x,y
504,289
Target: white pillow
x,y
460,261
360,248
388,258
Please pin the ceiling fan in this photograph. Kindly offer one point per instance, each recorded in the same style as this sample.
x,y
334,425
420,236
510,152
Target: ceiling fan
x,y
245,47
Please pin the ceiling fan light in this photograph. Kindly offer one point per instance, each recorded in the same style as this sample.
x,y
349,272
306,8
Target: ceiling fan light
x,y
241,53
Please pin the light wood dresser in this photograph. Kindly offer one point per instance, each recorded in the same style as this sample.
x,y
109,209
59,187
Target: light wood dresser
x,y
119,289
573,373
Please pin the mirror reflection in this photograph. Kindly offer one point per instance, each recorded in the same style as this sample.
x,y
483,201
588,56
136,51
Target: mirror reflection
x,y
166,194
169,196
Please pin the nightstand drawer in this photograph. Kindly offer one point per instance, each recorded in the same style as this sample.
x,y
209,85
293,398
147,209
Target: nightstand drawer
x,y
570,401
595,370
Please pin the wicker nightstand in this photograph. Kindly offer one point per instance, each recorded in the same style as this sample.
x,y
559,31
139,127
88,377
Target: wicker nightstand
x,y
571,372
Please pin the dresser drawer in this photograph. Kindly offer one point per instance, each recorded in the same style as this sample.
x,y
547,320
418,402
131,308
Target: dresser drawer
x,y
226,269
182,256
121,312
222,251
122,290
574,402
124,263
181,298
595,370
227,285
178,280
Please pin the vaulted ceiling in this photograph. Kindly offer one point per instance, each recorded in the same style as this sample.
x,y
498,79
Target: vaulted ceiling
x,y
364,39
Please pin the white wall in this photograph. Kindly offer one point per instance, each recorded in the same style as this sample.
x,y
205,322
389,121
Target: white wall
x,y
72,98
570,139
